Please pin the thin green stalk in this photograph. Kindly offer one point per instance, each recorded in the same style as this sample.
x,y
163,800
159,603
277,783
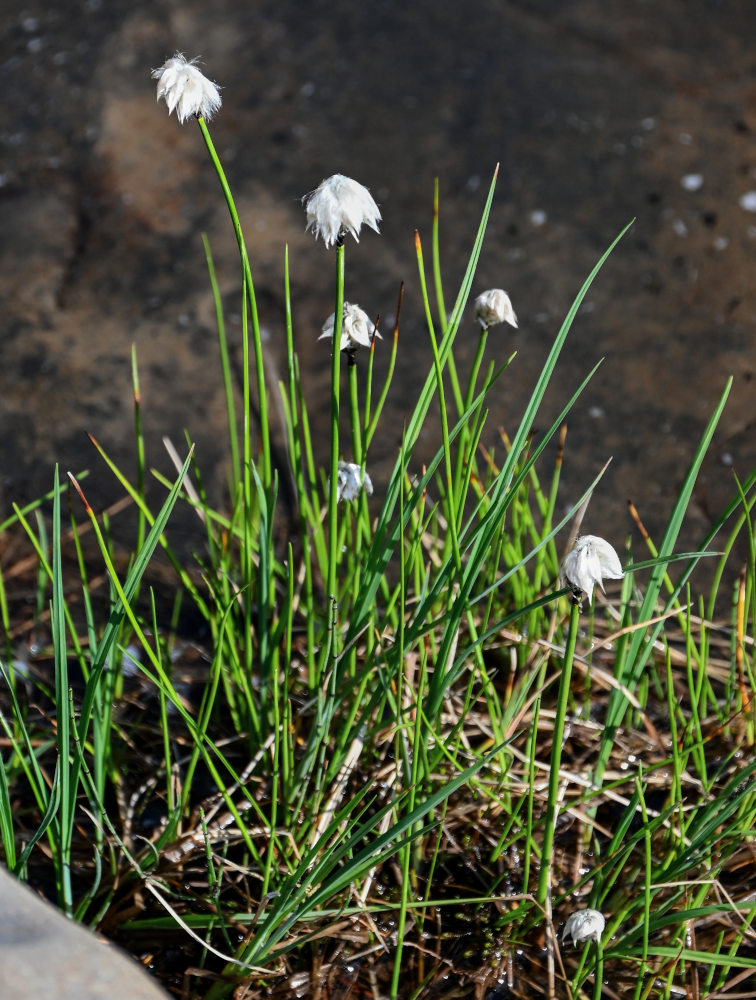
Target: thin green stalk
x,y
46,572
403,686
68,782
203,719
5,622
295,445
552,804
646,882
278,754
247,561
548,517
437,282
287,730
307,520
598,982
531,848
309,456
46,795
265,595
451,500
467,448
338,316
439,288
354,414
170,798
228,384
141,521
364,602
7,832
466,452
247,273
105,695
640,644
371,420
368,397
123,608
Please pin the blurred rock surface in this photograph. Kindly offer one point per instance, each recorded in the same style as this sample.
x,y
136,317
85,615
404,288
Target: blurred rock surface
x,y
597,112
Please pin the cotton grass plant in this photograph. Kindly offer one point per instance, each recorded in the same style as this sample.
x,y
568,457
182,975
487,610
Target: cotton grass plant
x,y
407,752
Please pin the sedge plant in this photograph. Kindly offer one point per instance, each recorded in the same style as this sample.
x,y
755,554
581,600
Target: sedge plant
x,y
399,713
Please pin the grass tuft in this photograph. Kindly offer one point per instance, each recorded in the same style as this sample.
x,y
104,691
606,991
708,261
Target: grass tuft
x,y
401,752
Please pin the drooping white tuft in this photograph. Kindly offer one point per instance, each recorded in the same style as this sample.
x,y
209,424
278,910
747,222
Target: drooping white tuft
x,y
591,561
494,306
338,206
185,89
584,925
350,480
357,329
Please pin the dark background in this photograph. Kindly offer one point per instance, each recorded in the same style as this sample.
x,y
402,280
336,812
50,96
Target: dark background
x,y
597,112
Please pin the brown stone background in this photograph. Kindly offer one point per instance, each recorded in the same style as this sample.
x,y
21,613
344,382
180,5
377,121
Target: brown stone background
x,y
597,111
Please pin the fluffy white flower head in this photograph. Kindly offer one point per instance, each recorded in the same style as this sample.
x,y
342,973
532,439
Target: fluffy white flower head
x,y
339,206
590,561
350,479
186,89
357,329
584,925
494,306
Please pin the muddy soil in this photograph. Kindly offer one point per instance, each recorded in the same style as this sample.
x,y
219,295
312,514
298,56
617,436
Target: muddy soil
x,y
598,113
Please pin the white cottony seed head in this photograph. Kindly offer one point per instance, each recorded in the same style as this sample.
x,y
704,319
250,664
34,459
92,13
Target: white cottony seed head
x,y
186,89
339,206
589,562
494,306
357,329
584,925
350,480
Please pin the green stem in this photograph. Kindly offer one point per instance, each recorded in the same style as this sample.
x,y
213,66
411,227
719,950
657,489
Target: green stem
x,y
338,316
442,316
552,805
404,853
65,781
451,499
470,394
598,981
371,421
304,492
228,385
441,306
464,451
247,271
141,531
248,530
354,414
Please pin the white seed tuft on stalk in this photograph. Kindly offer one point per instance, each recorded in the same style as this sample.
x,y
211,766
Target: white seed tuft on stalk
x,y
185,89
584,925
339,206
351,480
357,329
591,561
493,307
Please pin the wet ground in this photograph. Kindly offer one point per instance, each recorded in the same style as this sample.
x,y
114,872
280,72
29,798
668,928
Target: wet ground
x,y
599,112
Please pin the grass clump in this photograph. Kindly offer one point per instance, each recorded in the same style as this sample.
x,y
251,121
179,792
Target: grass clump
x,y
404,752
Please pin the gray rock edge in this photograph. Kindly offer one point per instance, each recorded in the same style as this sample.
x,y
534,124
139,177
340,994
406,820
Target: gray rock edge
x,y
43,954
